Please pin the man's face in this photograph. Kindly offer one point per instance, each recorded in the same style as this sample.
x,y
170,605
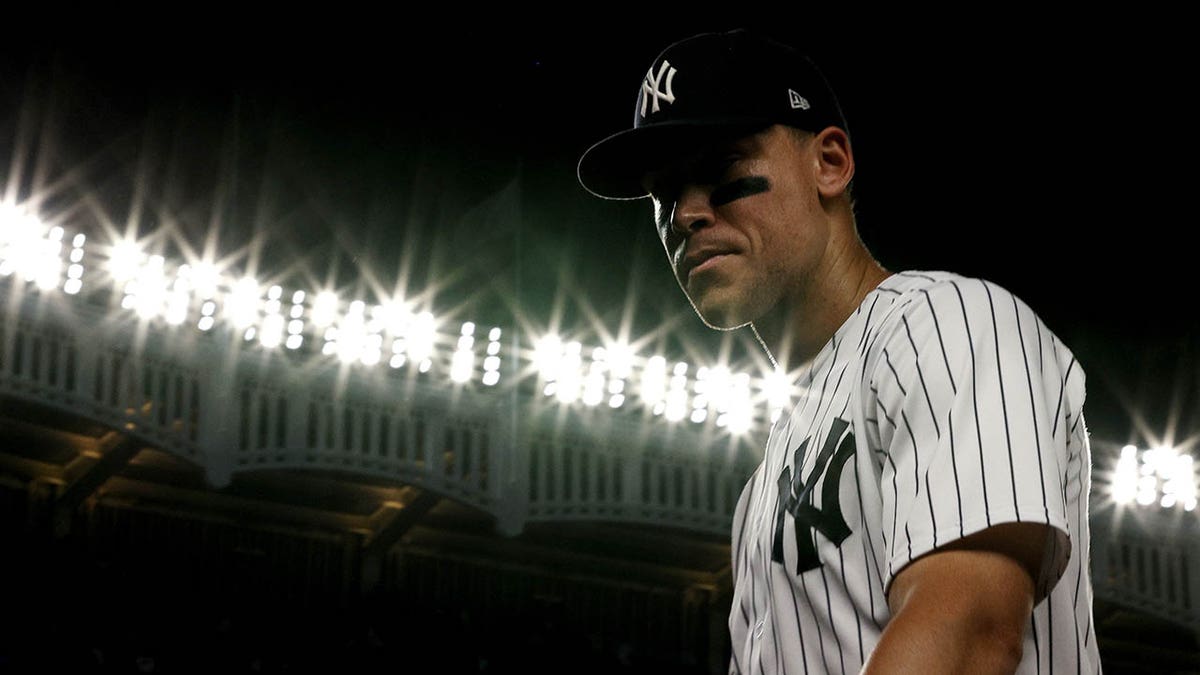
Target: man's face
x,y
740,222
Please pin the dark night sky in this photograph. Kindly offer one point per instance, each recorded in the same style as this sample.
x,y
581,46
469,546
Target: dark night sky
x,y
1048,154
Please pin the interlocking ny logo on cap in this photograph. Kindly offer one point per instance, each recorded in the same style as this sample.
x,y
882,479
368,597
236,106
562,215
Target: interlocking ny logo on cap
x,y
652,86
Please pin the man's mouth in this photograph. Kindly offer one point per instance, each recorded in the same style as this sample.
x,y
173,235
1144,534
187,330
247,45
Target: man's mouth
x,y
706,263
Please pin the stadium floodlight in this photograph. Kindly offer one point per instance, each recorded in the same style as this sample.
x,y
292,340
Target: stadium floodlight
x,y
369,357
546,356
596,377
28,250
371,350
654,381
593,388
570,379
351,334
150,296
715,385
491,364
378,321
125,261
206,315
274,305
10,216
677,398
271,335
395,317
738,405
47,272
778,389
462,363
205,280
325,309
618,359
241,305
74,279
1179,485
177,306
420,340
296,325
20,241
1147,490
399,348
677,393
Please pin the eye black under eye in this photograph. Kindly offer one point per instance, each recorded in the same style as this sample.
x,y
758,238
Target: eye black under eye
x,y
737,189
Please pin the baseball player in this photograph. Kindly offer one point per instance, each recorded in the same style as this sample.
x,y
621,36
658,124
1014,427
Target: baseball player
x,y
923,508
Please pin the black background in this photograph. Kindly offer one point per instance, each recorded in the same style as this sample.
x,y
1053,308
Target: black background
x,y
1051,154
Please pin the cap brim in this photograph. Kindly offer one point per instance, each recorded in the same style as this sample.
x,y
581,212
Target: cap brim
x,y
614,167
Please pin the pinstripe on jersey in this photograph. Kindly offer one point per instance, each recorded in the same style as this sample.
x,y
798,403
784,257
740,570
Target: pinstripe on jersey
x,y
941,407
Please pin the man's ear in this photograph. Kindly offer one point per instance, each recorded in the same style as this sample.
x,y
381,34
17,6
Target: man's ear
x,y
835,162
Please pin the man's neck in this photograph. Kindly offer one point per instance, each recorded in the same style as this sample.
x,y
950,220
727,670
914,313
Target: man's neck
x,y
804,323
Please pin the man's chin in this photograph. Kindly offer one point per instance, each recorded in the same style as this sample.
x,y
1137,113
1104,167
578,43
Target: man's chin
x,y
720,316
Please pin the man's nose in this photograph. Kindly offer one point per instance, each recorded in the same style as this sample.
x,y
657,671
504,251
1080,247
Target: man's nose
x,y
693,210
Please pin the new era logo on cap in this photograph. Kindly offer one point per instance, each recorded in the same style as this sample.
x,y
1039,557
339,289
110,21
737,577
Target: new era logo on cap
x,y
798,102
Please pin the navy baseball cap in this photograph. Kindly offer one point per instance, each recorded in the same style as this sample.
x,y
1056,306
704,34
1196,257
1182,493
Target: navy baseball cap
x,y
702,87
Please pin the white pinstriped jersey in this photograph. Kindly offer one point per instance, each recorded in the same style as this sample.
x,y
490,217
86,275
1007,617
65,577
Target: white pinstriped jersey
x,y
942,406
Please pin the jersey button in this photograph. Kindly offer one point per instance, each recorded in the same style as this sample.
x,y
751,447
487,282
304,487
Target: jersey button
x,y
758,630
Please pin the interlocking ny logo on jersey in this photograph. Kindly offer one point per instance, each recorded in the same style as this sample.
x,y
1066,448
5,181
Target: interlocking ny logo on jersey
x,y
796,498
652,87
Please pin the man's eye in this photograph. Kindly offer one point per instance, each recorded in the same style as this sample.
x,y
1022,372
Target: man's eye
x,y
664,192
715,171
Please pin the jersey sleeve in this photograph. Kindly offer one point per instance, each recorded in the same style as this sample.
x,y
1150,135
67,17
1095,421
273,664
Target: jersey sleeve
x,y
975,399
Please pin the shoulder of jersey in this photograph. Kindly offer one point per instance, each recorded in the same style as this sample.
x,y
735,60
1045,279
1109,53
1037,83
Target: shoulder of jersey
x,y
911,294
938,287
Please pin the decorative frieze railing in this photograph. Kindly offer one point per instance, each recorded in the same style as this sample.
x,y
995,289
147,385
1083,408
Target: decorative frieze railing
x,y
508,450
